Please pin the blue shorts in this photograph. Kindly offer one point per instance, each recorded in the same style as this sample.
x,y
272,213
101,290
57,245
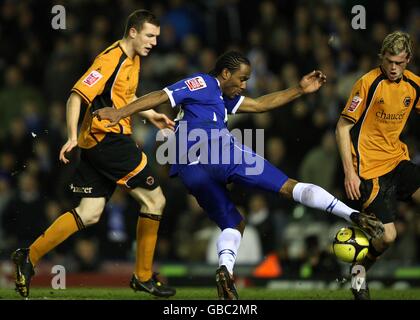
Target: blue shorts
x,y
207,182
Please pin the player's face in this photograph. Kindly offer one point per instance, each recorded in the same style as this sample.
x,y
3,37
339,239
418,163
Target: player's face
x,y
146,39
394,66
236,83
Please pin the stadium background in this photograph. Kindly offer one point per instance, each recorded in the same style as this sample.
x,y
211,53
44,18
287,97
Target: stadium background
x,y
283,40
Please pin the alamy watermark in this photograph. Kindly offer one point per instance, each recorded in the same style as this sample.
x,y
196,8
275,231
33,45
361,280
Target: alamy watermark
x,y
359,20
59,280
212,146
59,19
358,281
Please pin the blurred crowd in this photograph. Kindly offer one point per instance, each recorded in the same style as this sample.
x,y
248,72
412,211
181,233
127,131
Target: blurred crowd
x,y
283,40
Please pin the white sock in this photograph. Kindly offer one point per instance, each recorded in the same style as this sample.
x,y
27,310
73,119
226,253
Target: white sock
x,y
227,247
315,197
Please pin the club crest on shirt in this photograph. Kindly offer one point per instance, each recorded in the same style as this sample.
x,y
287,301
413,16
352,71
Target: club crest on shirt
x,y
196,83
150,180
92,78
354,104
407,101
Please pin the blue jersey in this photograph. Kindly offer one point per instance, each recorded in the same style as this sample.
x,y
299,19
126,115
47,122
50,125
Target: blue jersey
x,y
202,106
202,102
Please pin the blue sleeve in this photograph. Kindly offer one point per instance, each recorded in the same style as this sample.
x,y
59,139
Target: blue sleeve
x,y
187,91
232,105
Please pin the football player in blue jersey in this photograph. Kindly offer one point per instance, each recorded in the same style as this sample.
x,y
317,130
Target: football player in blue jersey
x,y
205,101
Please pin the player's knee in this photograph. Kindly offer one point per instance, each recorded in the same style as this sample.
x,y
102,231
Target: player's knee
x,y
389,237
154,204
89,216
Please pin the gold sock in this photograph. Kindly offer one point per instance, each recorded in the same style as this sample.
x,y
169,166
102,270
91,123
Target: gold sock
x,y
147,229
63,227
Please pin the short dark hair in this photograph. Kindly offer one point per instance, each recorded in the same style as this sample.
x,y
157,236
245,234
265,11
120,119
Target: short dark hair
x,y
138,18
230,60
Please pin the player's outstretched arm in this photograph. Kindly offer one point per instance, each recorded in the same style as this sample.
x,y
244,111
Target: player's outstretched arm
x,y
309,83
146,102
159,120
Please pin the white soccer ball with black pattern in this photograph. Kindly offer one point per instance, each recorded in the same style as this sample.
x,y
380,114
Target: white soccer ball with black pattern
x,y
350,244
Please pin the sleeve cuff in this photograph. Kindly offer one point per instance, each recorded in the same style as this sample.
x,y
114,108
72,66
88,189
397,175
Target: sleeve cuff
x,y
348,118
171,98
80,93
236,107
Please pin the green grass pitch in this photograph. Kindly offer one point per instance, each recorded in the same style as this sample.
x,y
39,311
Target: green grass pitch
x,y
184,293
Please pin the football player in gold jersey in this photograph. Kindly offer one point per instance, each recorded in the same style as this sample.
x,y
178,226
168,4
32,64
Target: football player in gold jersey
x,y
109,157
376,163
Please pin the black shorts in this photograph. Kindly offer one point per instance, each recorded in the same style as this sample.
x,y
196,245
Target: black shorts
x,y
116,160
380,195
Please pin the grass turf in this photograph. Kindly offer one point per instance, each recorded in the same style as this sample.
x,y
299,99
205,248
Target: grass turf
x,y
185,293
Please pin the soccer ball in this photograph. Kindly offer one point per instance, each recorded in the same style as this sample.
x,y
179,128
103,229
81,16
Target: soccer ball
x,y
350,244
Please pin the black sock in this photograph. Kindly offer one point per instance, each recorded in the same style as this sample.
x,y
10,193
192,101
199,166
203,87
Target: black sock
x,y
371,257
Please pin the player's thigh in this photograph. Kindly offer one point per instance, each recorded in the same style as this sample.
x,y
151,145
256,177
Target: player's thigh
x,y
88,182
211,194
379,196
118,158
152,201
407,180
268,177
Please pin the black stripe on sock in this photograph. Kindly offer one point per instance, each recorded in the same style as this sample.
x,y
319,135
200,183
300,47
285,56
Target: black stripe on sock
x,y
78,220
156,217
227,251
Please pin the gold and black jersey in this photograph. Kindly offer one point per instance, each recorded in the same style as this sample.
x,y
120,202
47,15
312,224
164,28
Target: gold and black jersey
x,y
379,109
111,81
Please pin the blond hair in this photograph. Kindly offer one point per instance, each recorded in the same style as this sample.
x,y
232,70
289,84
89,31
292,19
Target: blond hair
x,y
397,42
